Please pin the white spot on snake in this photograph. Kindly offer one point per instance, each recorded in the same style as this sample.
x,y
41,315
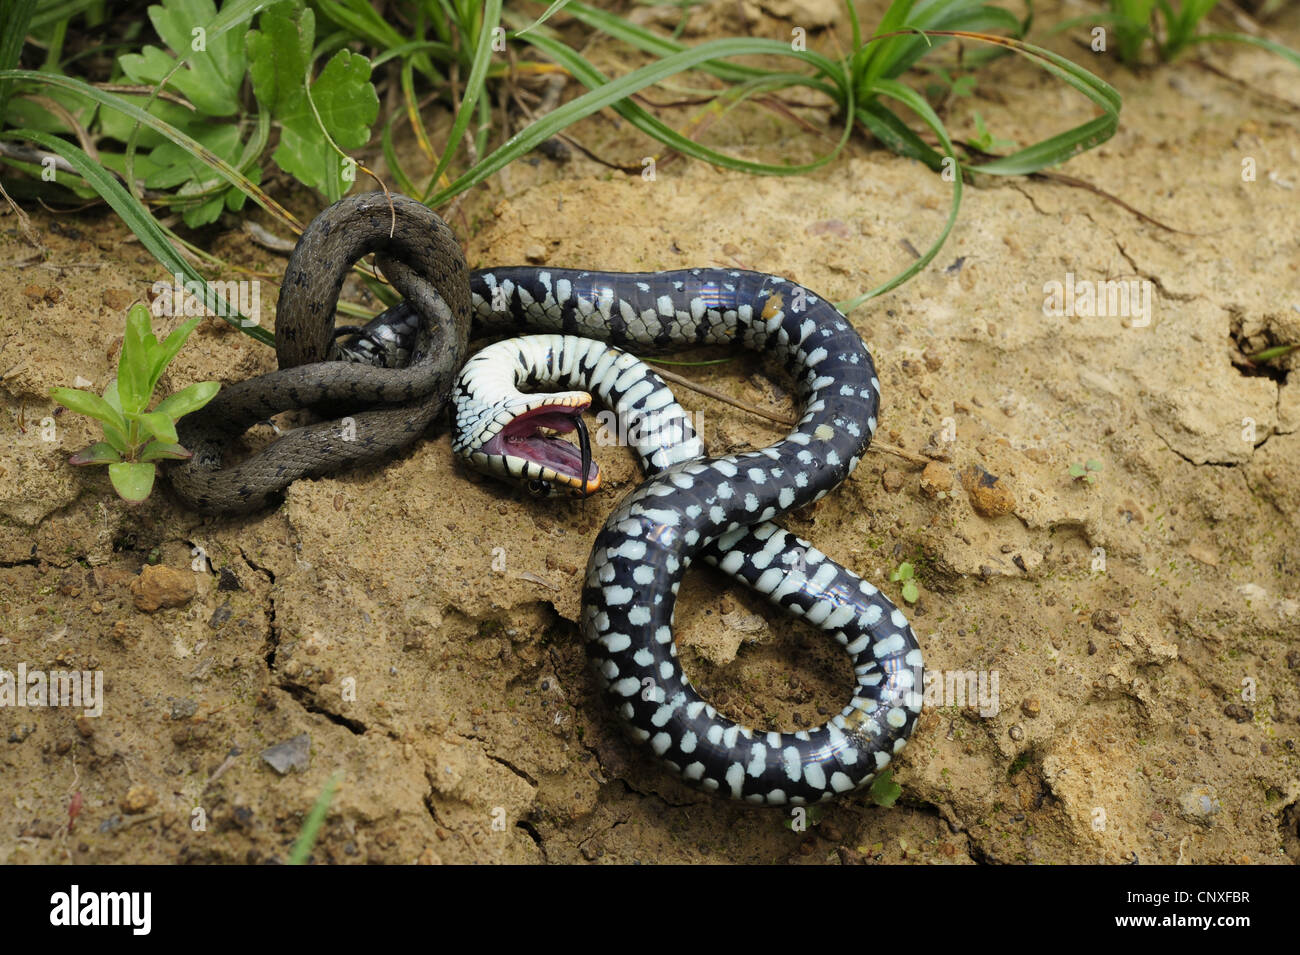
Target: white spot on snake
x,y
793,765
616,596
660,743
888,646
735,779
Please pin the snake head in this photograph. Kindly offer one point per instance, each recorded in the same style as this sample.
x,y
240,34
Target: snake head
x,y
520,441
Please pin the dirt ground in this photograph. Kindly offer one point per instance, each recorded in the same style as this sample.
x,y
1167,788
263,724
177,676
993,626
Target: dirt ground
x,y
415,621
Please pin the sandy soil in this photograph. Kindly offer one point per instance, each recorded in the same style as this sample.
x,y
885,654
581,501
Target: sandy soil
x,y
416,621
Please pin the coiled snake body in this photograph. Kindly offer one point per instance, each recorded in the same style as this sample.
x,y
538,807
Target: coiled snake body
x,y
716,509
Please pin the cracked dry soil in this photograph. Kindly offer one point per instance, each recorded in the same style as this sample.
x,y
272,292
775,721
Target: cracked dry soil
x,y
416,621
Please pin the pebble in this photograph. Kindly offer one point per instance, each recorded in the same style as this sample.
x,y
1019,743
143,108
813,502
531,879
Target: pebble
x,y
989,494
1107,621
935,479
291,754
1238,713
1199,805
1016,732
892,481
159,586
1031,708
137,799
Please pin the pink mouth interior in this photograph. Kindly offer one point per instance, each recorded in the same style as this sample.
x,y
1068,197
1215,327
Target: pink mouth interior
x,y
522,439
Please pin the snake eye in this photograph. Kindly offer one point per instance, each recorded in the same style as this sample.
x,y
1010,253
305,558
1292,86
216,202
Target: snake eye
x,y
539,487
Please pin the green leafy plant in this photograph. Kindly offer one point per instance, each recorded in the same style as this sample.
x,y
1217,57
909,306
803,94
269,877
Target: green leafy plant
x,y
884,791
1087,471
204,104
905,573
134,437
1172,28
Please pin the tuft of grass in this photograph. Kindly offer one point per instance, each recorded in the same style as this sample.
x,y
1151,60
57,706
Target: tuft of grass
x,y
297,86
306,840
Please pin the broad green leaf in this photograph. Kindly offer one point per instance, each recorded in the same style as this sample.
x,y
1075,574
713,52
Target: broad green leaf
x,y
884,791
188,399
158,426
214,69
279,54
164,353
99,453
343,97
132,480
89,404
133,362
156,451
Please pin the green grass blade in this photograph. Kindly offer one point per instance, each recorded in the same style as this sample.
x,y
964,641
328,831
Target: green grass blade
x,y
474,87
315,819
137,219
1283,51
917,104
17,14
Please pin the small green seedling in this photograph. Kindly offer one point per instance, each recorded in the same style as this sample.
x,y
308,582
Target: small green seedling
x,y
884,791
905,574
135,438
984,140
1086,472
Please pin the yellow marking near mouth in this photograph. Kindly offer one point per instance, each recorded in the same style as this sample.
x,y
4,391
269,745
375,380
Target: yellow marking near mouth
x,y
774,304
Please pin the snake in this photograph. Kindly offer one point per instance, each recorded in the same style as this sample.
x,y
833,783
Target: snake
x,y
719,510
396,376
370,411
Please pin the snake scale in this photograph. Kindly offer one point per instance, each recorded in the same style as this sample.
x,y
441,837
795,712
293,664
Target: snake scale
x,y
714,509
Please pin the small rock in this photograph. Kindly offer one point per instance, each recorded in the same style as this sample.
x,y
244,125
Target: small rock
x,y
291,754
935,478
158,587
184,709
535,253
1016,732
228,580
1199,805
220,616
1238,713
117,299
1031,708
988,494
1293,660
85,726
1107,621
137,799
893,481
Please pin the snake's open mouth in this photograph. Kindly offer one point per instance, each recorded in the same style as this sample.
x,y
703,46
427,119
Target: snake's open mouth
x,y
530,439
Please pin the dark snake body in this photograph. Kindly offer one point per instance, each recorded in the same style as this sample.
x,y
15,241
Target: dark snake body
x,y
376,410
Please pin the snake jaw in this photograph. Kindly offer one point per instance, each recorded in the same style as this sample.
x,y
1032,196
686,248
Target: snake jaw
x,y
528,447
